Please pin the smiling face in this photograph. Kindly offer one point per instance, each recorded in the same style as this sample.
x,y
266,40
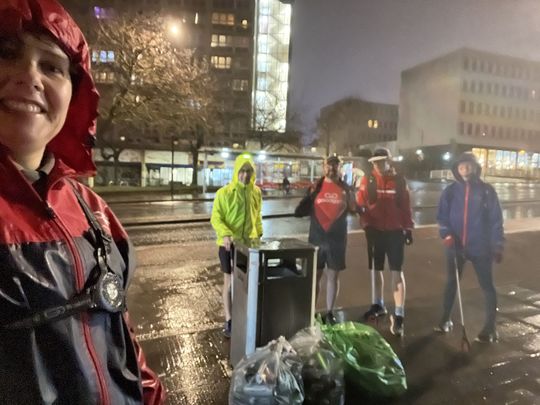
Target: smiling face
x,y
35,92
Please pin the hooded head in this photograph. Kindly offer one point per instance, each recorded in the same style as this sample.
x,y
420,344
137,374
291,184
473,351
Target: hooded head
x,y
73,143
244,163
466,167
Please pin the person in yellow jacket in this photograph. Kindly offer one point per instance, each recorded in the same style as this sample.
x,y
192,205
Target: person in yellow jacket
x,y
236,217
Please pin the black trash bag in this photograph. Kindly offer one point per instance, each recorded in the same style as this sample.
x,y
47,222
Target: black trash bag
x,y
272,375
322,370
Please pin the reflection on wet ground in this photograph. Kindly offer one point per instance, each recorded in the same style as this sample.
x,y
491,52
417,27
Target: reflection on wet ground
x,y
175,301
281,227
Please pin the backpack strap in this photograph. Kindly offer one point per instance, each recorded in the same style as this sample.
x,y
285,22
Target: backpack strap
x,y
372,188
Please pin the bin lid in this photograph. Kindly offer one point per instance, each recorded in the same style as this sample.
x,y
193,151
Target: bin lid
x,y
279,244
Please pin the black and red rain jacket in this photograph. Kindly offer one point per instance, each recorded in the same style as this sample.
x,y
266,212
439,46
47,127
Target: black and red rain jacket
x,y
47,256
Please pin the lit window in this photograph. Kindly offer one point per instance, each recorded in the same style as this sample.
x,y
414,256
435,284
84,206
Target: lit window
x,y
244,24
221,62
102,56
220,40
104,76
370,124
222,19
103,13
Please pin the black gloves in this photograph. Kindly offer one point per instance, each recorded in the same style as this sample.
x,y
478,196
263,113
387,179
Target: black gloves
x,y
407,234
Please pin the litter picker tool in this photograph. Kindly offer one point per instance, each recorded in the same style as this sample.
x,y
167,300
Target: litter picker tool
x,y
465,344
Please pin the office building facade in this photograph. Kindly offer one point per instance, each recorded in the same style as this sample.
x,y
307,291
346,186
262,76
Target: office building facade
x,y
473,100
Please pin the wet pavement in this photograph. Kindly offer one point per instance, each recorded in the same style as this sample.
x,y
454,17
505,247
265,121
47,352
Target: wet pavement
x,y
520,200
176,304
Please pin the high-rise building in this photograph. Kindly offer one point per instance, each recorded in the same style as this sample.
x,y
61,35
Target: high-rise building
x,y
246,42
271,64
473,100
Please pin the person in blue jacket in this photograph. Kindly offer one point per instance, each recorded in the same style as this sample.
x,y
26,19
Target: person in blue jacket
x,y
471,226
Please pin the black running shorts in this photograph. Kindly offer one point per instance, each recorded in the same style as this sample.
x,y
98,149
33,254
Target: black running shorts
x,y
333,258
381,244
226,259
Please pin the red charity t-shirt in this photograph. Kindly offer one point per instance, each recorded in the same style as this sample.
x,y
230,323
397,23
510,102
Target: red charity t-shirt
x,y
329,204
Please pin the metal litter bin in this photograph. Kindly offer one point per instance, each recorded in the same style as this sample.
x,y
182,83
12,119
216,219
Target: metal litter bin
x,y
273,292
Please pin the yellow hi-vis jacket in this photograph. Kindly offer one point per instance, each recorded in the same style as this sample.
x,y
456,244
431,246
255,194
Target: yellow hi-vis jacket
x,y
237,207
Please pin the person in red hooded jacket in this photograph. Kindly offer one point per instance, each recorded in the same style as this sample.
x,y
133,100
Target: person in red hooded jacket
x,y
65,260
385,213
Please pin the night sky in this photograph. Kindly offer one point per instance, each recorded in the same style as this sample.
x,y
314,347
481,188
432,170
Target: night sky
x,y
358,48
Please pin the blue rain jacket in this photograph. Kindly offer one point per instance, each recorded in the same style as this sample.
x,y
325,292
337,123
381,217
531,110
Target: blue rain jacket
x,y
471,213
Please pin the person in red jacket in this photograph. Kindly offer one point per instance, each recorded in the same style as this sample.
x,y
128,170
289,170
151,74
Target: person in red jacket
x,y
385,213
65,260
328,204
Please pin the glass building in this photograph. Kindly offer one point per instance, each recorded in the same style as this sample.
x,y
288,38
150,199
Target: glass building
x,y
271,65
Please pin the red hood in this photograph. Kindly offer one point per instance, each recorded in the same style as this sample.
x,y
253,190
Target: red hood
x,y
73,144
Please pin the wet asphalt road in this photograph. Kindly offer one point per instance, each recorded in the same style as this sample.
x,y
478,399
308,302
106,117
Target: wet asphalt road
x,y
290,226
519,200
175,304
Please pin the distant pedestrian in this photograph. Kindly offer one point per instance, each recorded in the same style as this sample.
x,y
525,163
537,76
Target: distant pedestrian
x,y
471,226
286,185
385,213
328,204
236,217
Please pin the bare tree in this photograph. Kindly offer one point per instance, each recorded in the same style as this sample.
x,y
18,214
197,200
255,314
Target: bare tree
x,y
154,83
187,105
269,132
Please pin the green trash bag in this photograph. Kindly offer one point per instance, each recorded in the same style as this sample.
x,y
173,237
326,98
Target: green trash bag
x,y
370,363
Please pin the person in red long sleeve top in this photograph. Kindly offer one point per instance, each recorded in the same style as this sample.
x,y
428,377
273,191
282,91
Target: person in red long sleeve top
x,y
385,214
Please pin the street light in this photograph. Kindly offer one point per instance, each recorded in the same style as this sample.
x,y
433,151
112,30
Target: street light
x,y
446,156
174,29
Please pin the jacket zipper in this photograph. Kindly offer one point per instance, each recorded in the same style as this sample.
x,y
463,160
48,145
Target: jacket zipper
x,y
79,281
465,215
245,214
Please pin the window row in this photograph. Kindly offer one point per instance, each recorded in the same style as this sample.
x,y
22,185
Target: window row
x,y
219,40
381,124
500,68
497,89
103,76
226,62
240,85
507,112
227,19
104,13
221,62
102,56
497,132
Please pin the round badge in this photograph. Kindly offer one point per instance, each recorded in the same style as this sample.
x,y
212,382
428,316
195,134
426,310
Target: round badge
x,y
111,292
